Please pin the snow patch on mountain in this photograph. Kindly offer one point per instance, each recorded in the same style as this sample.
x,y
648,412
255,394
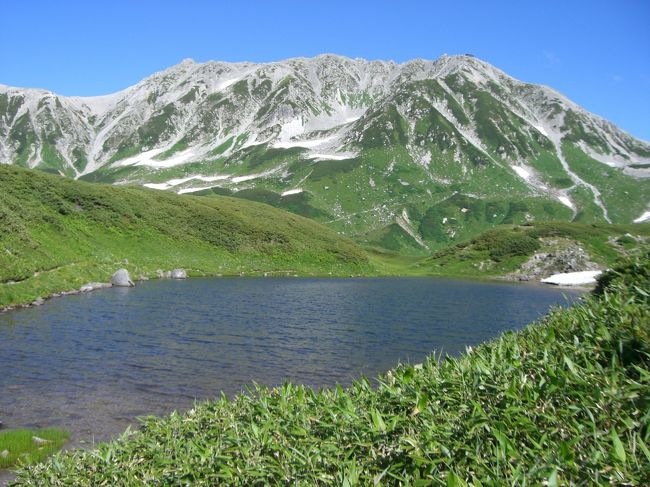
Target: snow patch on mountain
x,y
643,218
197,188
566,202
331,156
177,182
148,159
522,172
308,144
581,278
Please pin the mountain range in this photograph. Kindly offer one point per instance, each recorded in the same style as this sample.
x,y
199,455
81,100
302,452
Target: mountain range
x,y
409,157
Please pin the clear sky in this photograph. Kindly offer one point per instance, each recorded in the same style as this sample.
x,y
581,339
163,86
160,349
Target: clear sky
x,y
595,52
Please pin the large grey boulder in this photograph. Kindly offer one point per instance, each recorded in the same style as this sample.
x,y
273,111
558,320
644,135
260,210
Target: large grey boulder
x,y
121,278
179,274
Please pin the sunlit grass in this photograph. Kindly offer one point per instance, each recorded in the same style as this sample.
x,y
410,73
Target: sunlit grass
x,y
58,234
564,401
27,446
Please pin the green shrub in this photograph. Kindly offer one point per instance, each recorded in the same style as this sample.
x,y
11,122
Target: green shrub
x,y
504,244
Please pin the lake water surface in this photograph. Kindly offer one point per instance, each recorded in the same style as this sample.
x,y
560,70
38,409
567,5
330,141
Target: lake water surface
x,y
92,363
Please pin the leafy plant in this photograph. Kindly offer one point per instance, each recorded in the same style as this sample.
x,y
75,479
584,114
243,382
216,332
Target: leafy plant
x,y
560,402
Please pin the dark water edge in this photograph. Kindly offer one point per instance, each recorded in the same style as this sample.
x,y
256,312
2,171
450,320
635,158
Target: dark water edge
x,y
92,363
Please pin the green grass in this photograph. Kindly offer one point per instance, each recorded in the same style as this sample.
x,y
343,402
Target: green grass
x,y
59,234
502,250
563,402
177,147
625,197
22,449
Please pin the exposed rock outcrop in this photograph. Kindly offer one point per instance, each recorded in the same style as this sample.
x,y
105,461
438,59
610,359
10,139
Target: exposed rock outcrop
x,y
563,258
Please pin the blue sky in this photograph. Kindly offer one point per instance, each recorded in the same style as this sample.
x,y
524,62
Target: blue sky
x,y
595,52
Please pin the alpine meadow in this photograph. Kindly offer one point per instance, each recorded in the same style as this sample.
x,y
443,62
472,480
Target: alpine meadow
x,y
329,269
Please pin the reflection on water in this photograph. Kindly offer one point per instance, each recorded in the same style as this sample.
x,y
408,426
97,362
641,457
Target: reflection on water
x,y
91,363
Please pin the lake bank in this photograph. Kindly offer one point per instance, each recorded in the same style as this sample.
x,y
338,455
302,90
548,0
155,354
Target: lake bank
x,y
93,362
496,413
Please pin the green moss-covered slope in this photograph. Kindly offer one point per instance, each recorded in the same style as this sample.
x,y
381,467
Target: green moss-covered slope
x,y
58,234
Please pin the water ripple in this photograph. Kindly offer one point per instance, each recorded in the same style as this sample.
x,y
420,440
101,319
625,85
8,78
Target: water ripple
x,y
92,363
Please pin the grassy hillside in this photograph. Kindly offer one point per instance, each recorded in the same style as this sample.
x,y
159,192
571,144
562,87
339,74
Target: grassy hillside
x,y
564,401
504,249
59,234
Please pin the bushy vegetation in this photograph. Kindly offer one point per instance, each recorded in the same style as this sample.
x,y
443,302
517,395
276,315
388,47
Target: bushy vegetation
x,y
501,250
501,245
58,234
26,447
564,401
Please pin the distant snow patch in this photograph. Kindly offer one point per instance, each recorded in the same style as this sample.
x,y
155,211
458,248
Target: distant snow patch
x,y
308,144
331,157
156,185
240,179
643,218
566,201
573,278
522,172
292,191
339,115
541,130
175,182
248,177
195,189
148,159
226,83
291,129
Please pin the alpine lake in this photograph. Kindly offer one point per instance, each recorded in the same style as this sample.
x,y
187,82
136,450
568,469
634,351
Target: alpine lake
x,y
93,363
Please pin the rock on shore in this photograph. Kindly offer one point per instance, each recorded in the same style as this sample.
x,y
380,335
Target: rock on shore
x,y
179,274
92,286
121,278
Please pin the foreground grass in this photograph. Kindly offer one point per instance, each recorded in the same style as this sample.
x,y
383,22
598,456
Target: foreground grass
x,y
564,401
58,234
20,446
